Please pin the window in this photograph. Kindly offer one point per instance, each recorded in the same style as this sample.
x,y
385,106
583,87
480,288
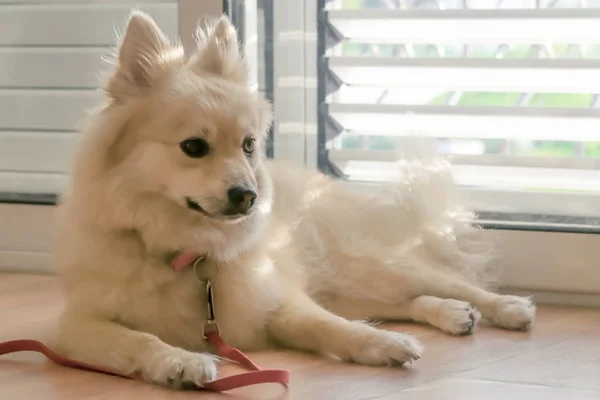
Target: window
x,y
507,90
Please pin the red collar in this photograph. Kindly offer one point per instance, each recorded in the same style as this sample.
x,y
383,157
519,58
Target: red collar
x,y
184,259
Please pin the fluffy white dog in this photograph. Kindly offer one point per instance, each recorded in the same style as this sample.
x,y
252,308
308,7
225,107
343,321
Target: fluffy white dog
x,y
173,163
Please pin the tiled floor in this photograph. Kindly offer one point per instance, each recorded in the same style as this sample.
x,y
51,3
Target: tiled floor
x,y
559,359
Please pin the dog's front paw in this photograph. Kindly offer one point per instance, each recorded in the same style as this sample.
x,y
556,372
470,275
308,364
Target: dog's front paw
x,y
179,369
513,312
381,347
458,317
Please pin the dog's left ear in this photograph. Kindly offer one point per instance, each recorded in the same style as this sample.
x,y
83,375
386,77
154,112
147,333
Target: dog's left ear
x,y
219,52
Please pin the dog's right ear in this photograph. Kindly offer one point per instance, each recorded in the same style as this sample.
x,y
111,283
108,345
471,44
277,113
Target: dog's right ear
x,y
143,55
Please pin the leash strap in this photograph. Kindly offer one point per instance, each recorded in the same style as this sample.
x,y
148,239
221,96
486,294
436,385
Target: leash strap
x,y
256,376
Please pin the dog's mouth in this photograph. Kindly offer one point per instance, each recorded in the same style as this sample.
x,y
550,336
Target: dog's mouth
x,y
227,215
192,205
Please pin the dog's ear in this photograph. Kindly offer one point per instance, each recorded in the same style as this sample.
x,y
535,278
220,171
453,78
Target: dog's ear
x,y
143,54
218,51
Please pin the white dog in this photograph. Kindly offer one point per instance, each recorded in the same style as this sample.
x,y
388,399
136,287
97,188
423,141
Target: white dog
x,y
173,163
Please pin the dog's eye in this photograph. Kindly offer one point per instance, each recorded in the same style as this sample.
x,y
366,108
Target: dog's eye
x,y
249,145
194,147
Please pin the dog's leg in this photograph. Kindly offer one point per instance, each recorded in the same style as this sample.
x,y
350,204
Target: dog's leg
x,y
303,324
400,285
453,316
107,344
450,315
512,312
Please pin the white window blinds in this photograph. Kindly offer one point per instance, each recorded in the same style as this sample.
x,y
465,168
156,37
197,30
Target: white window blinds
x,y
508,90
50,70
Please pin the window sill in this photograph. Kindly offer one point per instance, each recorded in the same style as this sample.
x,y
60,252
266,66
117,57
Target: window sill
x,y
28,198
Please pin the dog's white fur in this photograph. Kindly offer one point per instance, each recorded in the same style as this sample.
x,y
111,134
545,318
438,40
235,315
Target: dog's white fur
x,y
301,271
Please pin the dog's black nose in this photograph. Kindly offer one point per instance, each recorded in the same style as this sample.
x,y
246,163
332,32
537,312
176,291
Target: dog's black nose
x,y
241,199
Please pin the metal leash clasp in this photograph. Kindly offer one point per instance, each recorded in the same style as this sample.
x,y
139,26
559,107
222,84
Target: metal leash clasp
x,y
211,323
206,276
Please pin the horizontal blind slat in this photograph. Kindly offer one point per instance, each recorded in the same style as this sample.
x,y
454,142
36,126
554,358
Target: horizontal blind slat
x,y
52,67
33,182
535,123
476,26
62,110
496,176
341,156
533,75
36,151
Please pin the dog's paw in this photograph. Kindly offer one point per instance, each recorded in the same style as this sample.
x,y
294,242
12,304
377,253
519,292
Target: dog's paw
x,y
179,369
381,347
458,317
513,312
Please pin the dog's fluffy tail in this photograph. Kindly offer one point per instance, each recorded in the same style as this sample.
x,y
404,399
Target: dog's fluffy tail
x,y
443,219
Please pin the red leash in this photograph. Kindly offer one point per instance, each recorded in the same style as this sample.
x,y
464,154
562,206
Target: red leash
x,y
256,376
